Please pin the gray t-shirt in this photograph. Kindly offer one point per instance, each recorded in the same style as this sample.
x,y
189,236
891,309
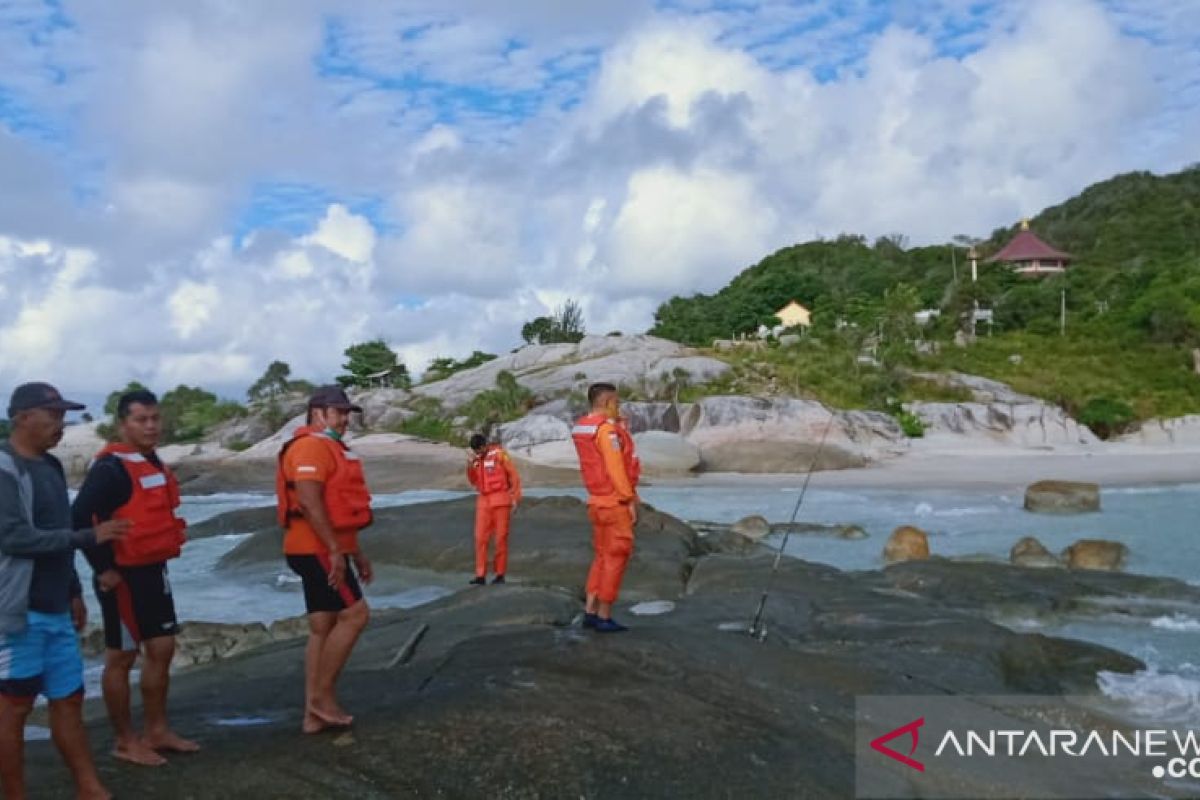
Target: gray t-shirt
x,y
54,578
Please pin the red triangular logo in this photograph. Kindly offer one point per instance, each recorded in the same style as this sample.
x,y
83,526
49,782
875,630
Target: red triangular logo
x,y
912,728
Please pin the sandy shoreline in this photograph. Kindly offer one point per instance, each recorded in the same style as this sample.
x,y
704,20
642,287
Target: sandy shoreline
x,y
403,466
988,470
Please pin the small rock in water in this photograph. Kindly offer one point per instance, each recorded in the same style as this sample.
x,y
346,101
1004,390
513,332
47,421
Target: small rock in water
x,y
906,544
754,527
652,608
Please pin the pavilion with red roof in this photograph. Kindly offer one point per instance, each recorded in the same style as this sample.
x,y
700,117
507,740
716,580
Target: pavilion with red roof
x,y
1026,254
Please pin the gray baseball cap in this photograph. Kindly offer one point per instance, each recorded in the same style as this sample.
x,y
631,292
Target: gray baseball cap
x,y
29,396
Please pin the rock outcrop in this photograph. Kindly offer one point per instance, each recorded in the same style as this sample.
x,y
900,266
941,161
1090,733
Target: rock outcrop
x,y
906,543
1029,552
664,453
1062,497
549,369
1097,554
750,434
1026,425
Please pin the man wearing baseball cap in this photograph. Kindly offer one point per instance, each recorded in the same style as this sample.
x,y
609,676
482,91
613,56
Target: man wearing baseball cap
x,y
41,606
322,503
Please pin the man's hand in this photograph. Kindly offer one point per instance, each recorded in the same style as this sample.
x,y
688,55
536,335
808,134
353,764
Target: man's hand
x,y
363,565
633,513
78,614
112,530
337,569
108,580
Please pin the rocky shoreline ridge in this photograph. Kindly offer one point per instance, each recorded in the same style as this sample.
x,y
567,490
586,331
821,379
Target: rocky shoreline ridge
x,y
497,691
716,434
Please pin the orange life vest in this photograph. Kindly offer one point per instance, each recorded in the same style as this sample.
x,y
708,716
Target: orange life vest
x,y
156,534
347,500
490,475
591,462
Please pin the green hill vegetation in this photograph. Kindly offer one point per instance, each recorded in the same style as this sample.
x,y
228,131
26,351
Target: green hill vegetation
x,y
1132,311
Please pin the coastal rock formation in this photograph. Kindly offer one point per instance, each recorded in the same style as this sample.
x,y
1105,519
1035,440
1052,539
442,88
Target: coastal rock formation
x,y
1029,552
1095,554
1032,424
534,429
815,529
554,535
751,434
1165,432
664,453
548,369
906,543
1062,497
753,527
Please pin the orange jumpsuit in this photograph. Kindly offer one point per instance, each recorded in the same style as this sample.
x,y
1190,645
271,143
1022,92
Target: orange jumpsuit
x,y
495,478
610,496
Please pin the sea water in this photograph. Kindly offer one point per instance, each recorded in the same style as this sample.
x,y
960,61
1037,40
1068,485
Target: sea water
x,y
1158,524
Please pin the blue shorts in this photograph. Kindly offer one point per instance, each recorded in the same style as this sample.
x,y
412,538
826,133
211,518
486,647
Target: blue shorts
x,y
42,659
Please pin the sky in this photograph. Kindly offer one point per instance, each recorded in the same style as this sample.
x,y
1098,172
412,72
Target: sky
x,y
189,191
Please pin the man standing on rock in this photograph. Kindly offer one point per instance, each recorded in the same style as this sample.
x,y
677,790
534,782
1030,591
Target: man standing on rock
x,y
41,605
323,502
495,478
610,472
128,481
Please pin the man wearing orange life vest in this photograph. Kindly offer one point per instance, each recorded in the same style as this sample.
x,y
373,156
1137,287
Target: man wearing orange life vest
x,y
493,475
610,472
323,503
127,481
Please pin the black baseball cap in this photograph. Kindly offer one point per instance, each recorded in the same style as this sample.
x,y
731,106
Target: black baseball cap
x,y
29,396
332,397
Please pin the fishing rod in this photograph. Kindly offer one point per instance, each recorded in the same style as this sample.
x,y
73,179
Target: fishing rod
x,y
757,629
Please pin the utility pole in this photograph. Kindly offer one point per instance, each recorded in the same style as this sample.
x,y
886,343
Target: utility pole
x,y
1062,314
954,262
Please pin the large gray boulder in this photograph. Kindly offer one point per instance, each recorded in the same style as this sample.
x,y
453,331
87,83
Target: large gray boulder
x,y
547,370
1165,432
1062,497
533,430
1032,424
982,390
751,434
666,453
382,408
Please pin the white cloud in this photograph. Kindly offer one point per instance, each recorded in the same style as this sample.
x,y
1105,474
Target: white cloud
x,y
345,234
657,153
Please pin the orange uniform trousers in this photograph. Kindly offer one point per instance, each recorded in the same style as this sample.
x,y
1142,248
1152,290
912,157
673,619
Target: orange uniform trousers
x,y
491,521
612,545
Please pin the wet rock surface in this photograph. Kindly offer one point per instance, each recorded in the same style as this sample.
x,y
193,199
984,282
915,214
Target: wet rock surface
x,y
505,695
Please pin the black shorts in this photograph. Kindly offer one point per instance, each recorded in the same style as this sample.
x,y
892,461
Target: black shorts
x,y
139,608
318,594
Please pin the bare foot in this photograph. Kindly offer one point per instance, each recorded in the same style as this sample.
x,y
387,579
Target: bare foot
x,y
332,716
312,723
138,752
171,741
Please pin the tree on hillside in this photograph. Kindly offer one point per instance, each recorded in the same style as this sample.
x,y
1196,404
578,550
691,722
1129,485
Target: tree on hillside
x,y
566,325
442,368
273,382
374,363
188,412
